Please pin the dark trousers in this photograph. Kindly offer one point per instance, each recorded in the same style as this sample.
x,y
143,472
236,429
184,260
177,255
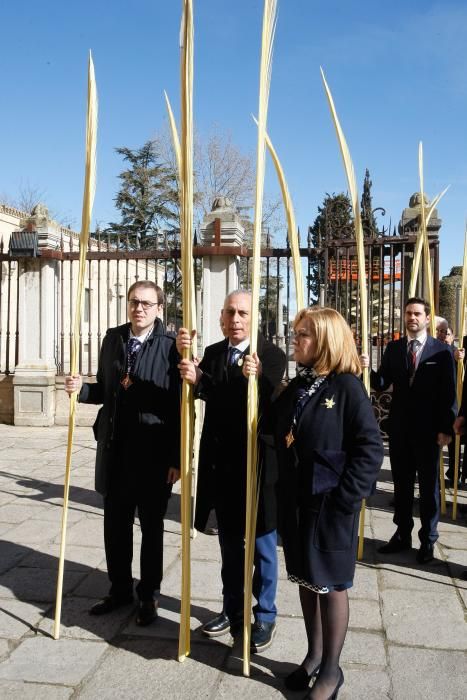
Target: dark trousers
x,y
120,504
409,458
264,578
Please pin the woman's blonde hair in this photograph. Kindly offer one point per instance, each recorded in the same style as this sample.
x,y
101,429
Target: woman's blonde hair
x,y
333,343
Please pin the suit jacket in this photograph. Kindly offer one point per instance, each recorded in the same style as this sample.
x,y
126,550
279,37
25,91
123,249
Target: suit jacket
x,y
428,406
222,461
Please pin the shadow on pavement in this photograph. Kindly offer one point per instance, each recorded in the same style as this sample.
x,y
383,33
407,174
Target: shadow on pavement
x,y
49,492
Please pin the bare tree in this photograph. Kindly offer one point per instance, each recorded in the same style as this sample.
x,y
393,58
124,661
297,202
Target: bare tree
x,y
223,169
29,196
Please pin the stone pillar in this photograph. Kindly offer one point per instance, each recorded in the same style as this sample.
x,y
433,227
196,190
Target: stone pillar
x,y
221,233
34,379
410,223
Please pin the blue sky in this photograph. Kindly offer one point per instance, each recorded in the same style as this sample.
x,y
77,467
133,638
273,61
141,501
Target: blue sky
x,y
398,73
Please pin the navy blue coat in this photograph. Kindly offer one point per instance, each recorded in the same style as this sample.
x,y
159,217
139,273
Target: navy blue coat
x,y
332,465
150,430
428,406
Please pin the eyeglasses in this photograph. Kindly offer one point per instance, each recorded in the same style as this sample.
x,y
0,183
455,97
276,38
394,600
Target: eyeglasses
x,y
145,305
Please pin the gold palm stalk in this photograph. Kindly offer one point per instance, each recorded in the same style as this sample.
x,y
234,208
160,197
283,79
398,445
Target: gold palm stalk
x,y
267,41
352,185
420,243
423,238
186,241
175,137
291,224
88,200
195,420
460,374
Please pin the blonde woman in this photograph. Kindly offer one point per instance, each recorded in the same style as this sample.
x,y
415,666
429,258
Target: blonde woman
x,y
330,452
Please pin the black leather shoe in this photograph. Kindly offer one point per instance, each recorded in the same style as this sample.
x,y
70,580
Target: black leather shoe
x,y
395,544
217,627
262,634
147,612
425,553
109,604
463,575
300,678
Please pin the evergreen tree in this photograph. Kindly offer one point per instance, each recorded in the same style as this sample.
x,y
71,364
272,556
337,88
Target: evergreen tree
x,y
147,198
369,225
334,221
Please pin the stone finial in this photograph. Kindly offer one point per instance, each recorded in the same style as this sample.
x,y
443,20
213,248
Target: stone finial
x,y
416,200
40,211
410,219
221,203
231,229
47,229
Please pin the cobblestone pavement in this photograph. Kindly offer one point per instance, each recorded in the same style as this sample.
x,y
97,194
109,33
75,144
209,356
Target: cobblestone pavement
x,y
407,636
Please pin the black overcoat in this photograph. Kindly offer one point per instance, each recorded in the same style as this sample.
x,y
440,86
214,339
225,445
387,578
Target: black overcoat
x,y
152,403
222,459
338,436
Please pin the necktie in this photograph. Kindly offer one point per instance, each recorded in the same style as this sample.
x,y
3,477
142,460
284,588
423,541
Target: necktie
x,y
234,354
413,347
134,346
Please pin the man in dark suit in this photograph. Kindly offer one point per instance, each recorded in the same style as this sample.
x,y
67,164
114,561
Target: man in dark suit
x,y
421,371
138,445
221,381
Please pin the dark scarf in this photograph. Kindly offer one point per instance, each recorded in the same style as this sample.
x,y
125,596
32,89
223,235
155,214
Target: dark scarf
x,y
309,383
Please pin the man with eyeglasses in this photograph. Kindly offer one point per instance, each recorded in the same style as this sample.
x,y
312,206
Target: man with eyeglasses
x,y
138,445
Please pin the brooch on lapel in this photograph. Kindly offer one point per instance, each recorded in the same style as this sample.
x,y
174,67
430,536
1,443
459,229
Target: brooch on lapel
x,y
329,403
289,439
240,361
126,381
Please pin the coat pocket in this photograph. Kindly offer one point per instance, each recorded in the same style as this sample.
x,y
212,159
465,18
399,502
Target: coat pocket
x,y
335,531
327,469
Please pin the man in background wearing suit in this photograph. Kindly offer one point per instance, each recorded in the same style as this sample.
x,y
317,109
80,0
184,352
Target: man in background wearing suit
x,y
421,371
221,380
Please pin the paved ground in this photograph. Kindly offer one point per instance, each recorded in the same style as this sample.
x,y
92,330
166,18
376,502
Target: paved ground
x,y
407,637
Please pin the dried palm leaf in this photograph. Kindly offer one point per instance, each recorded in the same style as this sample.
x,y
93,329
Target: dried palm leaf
x,y
186,241
88,201
291,224
267,41
352,185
